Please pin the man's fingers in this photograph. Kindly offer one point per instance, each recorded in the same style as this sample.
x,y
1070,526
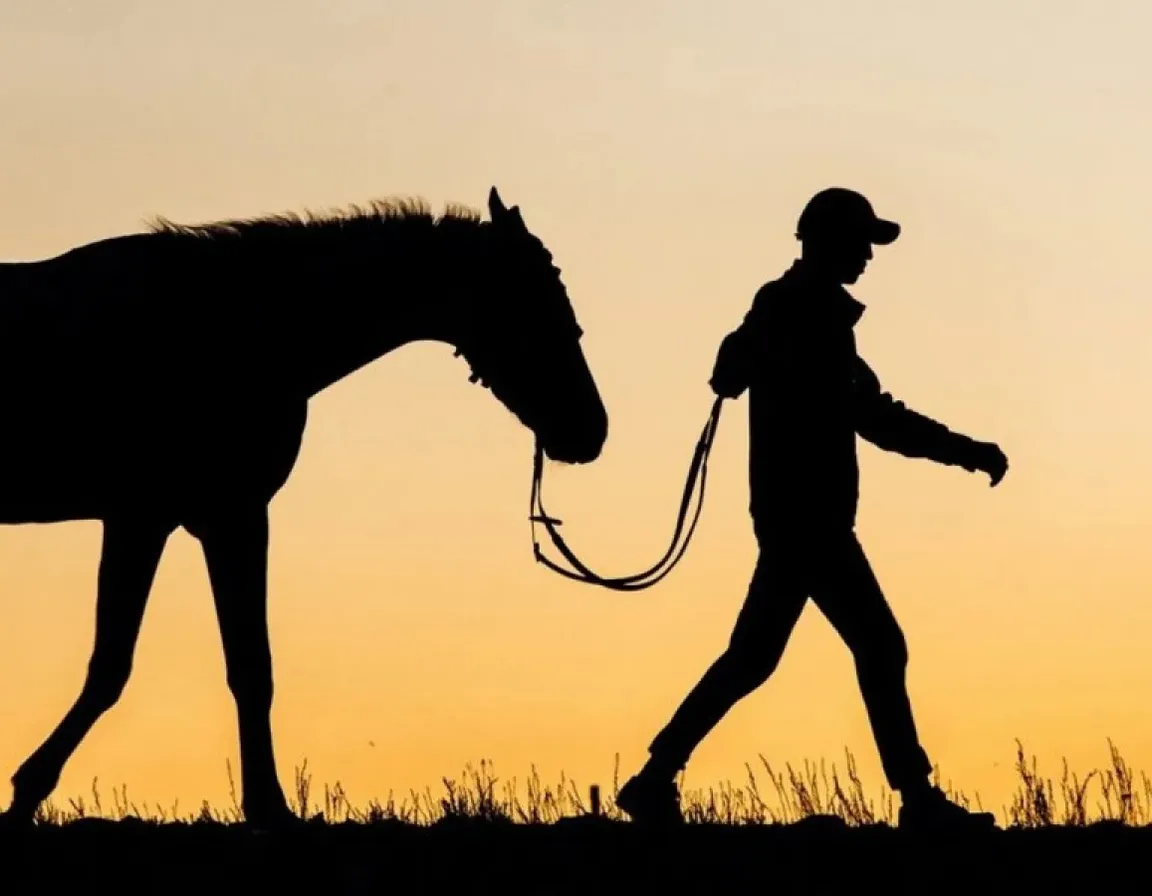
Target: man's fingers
x,y
1000,471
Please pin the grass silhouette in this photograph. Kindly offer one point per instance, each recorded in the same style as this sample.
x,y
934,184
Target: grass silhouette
x,y
768,796
795,830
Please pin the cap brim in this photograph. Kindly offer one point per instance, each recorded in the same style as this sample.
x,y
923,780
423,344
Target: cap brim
x,y
884,232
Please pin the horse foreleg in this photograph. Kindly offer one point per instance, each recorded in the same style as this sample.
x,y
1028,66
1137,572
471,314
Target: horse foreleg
x,y
235,548
128,561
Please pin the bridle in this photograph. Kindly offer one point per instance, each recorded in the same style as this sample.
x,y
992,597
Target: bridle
x,y
580,572
697,473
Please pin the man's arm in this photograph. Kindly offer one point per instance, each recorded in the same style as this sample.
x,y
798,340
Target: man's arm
x,y
785,351
735,364
731,374
890,425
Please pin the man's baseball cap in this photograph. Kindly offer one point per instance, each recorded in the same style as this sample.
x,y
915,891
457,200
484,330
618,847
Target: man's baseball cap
x,y
839,211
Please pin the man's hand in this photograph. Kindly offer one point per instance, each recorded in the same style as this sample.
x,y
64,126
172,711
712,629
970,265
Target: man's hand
x,y
730,372
987,457
726,388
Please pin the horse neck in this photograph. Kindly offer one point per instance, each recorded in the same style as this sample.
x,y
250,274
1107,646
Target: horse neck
x,y
370,304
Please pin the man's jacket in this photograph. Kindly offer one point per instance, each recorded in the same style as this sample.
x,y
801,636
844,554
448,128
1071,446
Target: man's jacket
x,y
809,395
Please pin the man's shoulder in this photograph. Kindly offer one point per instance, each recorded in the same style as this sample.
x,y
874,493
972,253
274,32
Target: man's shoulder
x,y
777,287
778,301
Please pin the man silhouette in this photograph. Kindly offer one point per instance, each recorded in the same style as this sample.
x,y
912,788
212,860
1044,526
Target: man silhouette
x,y
810,394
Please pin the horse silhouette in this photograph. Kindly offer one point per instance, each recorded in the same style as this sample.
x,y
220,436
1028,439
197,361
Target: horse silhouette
x,y
161,380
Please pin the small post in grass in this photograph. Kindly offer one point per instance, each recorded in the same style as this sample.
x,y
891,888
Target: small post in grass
x,y
594,793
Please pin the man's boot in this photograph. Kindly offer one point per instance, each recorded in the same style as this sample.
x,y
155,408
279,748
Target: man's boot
x,y
930,809
651,799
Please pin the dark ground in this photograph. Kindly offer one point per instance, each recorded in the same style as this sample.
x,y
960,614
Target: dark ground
x,y
587,855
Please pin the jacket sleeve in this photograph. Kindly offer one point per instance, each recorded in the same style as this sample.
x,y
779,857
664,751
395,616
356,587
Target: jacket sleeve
x,y
736,359
732,372
890,425
786,354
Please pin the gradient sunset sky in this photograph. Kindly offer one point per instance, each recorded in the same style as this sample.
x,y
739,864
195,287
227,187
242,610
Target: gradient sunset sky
x,y
662,150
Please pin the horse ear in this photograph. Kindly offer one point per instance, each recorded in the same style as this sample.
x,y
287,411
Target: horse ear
x,y
496,206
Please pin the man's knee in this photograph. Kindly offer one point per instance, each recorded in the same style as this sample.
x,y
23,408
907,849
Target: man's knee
x,y
882,650
747,666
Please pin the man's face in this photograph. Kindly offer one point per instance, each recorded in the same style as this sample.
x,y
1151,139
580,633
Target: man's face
x,y
841,257
846,258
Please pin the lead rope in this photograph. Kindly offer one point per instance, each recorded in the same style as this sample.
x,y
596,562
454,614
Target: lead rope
x,y
697,473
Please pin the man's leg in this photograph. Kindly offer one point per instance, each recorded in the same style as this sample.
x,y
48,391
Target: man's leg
x,y
847,592
773,604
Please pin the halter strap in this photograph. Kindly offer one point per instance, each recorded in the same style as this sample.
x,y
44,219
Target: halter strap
x,y
697,473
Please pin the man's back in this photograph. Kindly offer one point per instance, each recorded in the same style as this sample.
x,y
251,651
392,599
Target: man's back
x,y
795,353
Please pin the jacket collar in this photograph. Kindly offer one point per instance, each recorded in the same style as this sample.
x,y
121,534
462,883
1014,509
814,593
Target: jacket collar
x,y
831,295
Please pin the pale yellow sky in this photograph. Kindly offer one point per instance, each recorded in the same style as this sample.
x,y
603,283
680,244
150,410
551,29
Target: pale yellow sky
x,y
662,151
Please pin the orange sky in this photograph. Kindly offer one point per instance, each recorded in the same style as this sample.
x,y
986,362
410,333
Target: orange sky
x,y
662,151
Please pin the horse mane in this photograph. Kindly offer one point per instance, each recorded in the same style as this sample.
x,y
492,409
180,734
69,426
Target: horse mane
x,y
353,220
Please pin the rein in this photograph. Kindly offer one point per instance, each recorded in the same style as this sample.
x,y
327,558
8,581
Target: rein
x,y
579,572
